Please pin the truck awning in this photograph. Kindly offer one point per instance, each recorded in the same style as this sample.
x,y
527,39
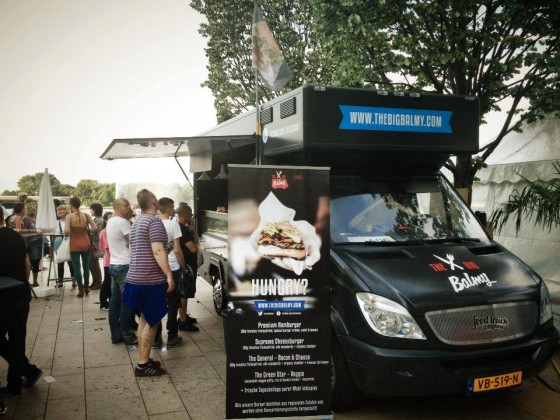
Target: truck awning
x,y
198,148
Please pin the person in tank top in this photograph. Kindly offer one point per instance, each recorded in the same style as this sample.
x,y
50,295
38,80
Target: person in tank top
x,y
78,226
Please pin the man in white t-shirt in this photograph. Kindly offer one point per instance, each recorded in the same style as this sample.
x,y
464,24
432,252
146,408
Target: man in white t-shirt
x,y
176,264
118,236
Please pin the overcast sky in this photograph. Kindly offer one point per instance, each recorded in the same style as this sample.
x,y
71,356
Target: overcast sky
x,y
75,74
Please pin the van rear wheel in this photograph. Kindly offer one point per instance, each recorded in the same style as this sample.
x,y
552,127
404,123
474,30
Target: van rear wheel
x,y
345,395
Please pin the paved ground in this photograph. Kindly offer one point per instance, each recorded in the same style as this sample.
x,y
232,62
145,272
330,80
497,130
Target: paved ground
x,y
93,379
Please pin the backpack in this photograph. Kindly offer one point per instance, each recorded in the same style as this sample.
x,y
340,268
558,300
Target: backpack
x,y
8,220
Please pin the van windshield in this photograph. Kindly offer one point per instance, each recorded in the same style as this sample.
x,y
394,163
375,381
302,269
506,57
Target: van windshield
x,y
412,209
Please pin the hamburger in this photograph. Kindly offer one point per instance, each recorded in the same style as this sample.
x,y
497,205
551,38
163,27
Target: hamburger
x,y
281,239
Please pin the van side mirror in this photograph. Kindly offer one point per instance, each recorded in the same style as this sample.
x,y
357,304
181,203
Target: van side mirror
x,y
482,218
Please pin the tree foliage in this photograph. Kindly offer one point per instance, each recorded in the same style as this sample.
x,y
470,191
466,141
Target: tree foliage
x,y
88,190
91,191
231,77
506,52
538,200
32,183
503,51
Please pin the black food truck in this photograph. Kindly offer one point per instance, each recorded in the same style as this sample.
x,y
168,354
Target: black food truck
x,y
423,301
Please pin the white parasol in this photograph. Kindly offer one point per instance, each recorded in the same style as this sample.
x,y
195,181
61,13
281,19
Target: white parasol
x,y
46,212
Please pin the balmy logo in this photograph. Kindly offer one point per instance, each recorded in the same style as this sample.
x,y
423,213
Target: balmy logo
x,y
462,280
466,282
279,181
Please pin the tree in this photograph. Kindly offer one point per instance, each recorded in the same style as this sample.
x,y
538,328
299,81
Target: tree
x,y
535,199
32,183
230,75
64,190
506,52
91,191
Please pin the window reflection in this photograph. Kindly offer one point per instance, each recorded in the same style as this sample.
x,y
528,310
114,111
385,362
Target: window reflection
x,y
423,208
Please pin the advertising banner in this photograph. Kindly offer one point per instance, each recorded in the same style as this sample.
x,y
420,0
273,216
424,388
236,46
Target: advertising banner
x,y
277,325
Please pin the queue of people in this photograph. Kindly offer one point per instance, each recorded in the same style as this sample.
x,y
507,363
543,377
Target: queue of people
x,y
145,257
157,244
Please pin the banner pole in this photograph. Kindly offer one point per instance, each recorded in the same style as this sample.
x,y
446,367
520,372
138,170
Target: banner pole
x,y
258,120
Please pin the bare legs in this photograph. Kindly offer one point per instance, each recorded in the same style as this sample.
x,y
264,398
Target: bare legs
x,y
146,336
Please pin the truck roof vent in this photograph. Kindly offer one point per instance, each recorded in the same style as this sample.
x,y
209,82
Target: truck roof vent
x,y
384,255
486,250
288,108
266,116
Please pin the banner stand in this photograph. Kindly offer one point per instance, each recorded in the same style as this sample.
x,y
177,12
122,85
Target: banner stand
x,y
277,325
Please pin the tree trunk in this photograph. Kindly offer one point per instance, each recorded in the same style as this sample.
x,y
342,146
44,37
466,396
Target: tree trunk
x,y
464,176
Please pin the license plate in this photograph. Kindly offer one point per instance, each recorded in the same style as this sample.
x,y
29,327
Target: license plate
x,y
495,382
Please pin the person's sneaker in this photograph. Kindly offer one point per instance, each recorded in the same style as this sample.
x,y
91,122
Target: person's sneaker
x,y
7,392
158,343
175,341
187,326
155,363
33,378
149,370
191,319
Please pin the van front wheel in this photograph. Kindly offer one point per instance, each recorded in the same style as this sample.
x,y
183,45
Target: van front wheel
x,y
345,395
218,294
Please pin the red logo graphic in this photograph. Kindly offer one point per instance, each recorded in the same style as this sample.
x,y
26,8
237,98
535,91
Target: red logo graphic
x,y
448,263
279,181
471,265
438,267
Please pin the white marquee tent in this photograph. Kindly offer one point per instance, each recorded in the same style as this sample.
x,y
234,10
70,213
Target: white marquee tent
x,y
530,154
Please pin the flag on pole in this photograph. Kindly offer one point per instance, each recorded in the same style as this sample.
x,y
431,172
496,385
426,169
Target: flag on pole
x,y
267,56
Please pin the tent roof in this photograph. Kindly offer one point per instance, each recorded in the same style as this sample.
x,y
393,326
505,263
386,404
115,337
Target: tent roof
x,y
529,154
539,141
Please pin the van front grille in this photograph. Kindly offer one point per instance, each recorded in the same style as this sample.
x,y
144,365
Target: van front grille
x,y
484,324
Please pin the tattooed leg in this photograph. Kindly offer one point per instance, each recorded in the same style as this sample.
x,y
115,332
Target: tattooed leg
x,y
146,336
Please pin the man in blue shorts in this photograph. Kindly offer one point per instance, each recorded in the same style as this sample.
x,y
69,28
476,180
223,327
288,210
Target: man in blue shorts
x,y
148,280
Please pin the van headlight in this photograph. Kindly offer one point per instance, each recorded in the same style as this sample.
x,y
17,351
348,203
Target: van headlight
x,y
388,318
546,308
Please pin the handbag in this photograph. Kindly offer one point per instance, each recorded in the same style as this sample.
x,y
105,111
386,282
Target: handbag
x,y
57,242
58,239
187,283
63,253
96,252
